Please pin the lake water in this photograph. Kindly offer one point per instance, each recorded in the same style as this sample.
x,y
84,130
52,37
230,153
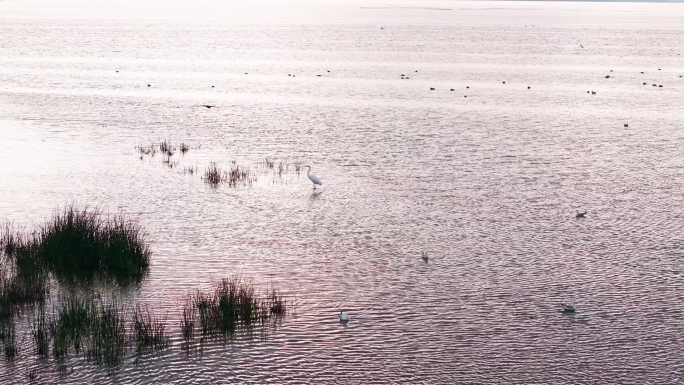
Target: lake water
x,y
486,179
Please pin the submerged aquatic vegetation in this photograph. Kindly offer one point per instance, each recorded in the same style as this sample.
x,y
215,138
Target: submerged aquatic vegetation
x,y
80,244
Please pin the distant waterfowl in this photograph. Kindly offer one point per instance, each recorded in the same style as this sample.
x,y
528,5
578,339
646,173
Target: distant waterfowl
x,y
581,214
246,73
626,125
424,256
313,178
644,83
568,308
503,82
208,106
328,70
528,87
319,75
467,87
212,86
117,71
465,96
149,85
660,86
451,89
432,88
642,72
344,317
607,76
593,92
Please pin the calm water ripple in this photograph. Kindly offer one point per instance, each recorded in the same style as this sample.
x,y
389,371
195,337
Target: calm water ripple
x,y
486,179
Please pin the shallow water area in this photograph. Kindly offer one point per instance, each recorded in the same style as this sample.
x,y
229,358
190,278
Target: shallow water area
x,y
486,179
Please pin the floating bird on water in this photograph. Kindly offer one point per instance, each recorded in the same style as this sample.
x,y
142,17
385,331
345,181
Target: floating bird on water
x,y
424,256
581,214
313,178
568,308
208,106
344,317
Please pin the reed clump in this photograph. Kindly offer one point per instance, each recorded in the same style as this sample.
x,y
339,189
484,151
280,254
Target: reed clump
x,y
187,323
8,337
41,335
214,175
80,244
234,303
108,335
149,330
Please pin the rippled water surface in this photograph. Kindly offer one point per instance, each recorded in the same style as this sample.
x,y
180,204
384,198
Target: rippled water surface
x,y
485,178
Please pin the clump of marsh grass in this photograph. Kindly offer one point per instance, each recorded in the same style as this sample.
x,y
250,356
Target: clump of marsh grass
x,y
166,147
41,335
184,148
8,337
149,331
73,324
234,303
20,290
107,345
277,305
187,323
235,176
214,175
79,244
238,175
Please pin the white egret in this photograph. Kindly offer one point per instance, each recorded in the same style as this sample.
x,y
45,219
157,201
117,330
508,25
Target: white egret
x,y
344,317
313,178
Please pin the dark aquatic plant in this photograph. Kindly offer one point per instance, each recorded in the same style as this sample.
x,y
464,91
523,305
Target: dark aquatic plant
x,y
187,323
234,303
107,345
214,175
8,337
149,331
41,334
79,245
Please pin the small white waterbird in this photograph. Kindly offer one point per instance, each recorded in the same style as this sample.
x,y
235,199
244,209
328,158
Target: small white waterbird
x,y
313,178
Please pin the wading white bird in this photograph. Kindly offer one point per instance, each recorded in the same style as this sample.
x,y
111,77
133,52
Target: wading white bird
x,y
344,317
313,178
